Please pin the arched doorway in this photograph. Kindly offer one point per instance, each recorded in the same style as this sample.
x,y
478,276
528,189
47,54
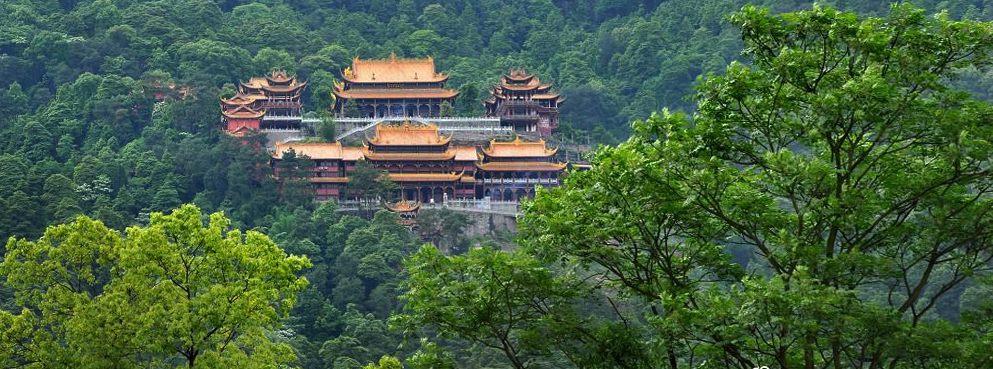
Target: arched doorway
x,y
425,195
508,195
439,195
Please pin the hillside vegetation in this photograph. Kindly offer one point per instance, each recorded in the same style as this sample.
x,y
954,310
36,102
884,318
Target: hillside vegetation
x,y
824,201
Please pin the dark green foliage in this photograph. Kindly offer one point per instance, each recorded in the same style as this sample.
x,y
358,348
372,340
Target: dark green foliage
x,y
829,205
352,109
82,132
368,182
326,129
445,228
293,172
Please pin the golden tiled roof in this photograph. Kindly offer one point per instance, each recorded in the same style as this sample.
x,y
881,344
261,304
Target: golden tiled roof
x,y
466,153
290,88
268,82
532,83
314,150
424,177
328,179
255,82
393,69
520,166
519,75
407,134
518,148
403,206
241,99
404,156
243,111
279,76
352,153
241,131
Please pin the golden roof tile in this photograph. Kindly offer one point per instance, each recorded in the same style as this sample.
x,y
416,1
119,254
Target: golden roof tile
x,y
328,180
407,134
313,150
403,206
241,131
466,153
243,111
393,69
518,148
352,153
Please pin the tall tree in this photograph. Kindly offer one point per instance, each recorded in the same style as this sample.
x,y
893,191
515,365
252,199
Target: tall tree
x,y
836,165
175,292
367,181
267,60
294,176
827,200
509,302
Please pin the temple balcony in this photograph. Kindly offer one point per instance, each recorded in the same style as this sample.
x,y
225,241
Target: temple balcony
x,y
519,103
283,118
520,117
286,104
516,180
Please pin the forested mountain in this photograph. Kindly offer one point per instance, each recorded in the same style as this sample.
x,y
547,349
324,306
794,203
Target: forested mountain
x,y
109,109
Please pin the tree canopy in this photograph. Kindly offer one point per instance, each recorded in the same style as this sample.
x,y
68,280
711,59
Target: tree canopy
x,y
824,207
821,198
176,292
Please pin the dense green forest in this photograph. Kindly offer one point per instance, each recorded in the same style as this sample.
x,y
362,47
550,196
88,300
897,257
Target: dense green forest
x,y
696,241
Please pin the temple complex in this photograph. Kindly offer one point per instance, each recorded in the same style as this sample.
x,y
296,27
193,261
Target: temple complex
x,y
523,102
392,87
270,102
331,163
510,170
429,168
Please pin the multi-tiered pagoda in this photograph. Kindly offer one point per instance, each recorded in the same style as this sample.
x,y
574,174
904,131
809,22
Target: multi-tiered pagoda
x,y
406,211
270,102
392,87
523,102
429,168
510,170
